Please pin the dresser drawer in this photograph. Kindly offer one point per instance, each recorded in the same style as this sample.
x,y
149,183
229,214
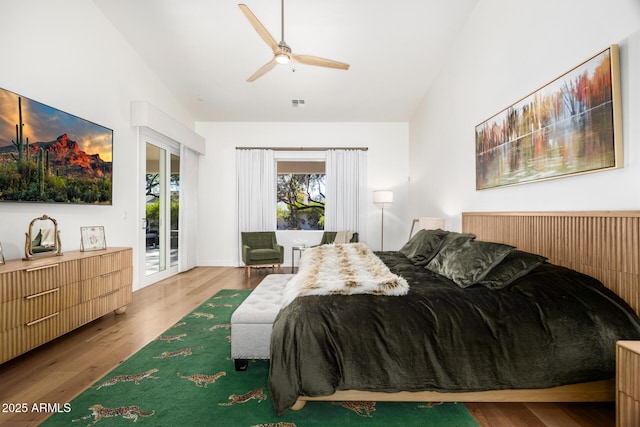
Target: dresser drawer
x,y
104,284
26,336
103,304
628,410
36,306
628,368
628,383
36,278
104,264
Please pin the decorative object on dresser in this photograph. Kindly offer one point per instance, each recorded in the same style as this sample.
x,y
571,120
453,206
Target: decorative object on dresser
x,y
382,199
572,125
92,239
1,255
627,383
43,299
42,238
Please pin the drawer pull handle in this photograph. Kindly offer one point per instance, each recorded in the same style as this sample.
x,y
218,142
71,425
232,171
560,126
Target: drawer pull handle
x,y
108,293
111,273
42,267
50,291
42,319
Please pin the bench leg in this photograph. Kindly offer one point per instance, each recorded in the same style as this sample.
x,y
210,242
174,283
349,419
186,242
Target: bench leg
x,y
241,364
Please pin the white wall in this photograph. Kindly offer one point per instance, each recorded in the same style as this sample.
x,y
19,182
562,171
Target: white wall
x,y
388,155
507,50
66,54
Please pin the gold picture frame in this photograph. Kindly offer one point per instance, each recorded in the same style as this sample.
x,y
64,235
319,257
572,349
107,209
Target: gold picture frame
x,y
570,126
92,238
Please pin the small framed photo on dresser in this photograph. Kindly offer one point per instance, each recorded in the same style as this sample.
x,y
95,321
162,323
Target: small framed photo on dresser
x,y
92,239
1,255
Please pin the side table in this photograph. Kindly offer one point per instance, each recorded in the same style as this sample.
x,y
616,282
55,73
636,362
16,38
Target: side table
x,y
627,383
299,249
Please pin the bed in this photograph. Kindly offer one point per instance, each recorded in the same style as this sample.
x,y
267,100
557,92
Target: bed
x,y
459,339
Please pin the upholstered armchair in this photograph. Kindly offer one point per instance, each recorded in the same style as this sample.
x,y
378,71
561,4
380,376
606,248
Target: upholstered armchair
x,y
328,237
260,248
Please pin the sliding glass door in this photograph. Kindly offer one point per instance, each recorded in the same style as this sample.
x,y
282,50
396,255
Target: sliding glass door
x,y
161,210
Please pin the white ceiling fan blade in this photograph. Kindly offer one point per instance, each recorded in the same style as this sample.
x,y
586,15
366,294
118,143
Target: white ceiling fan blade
x,y
319,62
260,29
263,70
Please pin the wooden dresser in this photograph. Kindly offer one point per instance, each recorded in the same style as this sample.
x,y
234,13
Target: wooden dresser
x,y
44,298
628,383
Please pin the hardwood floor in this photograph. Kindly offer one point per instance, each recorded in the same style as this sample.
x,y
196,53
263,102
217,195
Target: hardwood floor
x,y
60,370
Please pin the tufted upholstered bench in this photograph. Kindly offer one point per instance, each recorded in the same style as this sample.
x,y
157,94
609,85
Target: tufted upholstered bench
x,y
252,321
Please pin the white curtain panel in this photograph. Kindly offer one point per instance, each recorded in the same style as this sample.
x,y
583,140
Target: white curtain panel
x,y
188,220
256,184
345,207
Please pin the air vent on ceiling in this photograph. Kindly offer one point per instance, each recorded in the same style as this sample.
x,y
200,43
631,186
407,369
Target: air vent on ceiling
x,y
297,103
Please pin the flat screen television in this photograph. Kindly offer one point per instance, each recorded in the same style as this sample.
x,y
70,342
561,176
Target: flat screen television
x,y
50,156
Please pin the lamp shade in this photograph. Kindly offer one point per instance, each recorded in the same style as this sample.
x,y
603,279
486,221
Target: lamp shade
x,y
383,198
430,223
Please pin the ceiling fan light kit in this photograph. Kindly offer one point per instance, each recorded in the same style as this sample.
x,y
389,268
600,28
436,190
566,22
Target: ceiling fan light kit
x,y
282,58
282,53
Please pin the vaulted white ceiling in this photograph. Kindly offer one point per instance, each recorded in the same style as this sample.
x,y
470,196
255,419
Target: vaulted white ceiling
x,y
204,51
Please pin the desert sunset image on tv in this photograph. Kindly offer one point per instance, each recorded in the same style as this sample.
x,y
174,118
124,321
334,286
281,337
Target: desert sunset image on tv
x,y
47,155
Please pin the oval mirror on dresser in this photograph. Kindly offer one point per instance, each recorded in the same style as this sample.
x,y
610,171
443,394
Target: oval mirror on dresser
x,y
42,238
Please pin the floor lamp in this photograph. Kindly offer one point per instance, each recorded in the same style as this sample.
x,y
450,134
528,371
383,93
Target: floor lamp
x,y
382,199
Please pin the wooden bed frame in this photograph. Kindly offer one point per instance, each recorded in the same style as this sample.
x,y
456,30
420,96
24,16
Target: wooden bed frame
x,y
602,244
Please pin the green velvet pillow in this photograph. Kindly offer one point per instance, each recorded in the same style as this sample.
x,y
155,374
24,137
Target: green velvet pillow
x,y
423,246
515,265
467,262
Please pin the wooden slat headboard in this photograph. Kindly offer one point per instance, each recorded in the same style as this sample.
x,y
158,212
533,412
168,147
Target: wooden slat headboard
x,y
602,244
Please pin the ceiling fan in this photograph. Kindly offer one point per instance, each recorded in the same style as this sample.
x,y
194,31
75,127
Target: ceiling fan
x,y
282,53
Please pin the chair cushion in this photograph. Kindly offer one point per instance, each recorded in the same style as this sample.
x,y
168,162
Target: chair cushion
x,y
259,239
264,255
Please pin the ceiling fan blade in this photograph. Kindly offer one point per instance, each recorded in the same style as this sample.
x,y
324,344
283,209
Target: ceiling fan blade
x,y
260,29
319,62
263,70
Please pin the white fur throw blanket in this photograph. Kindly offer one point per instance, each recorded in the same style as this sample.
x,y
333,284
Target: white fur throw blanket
x,y
344,270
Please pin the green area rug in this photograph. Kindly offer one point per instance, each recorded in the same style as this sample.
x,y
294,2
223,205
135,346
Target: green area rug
x,y
186,377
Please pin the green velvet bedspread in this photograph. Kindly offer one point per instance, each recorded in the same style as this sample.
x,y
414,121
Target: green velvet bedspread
x,y
554,326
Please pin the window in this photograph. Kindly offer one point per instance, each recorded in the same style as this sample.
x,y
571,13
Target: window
x,y
301,195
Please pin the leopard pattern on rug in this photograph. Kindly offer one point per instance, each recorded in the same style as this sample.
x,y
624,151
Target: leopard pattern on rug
x,y
170,338
256,393
280,424
136,378
227,296
429,405
202,380
184,352
364,409
220,326
200,314
212,305
99,412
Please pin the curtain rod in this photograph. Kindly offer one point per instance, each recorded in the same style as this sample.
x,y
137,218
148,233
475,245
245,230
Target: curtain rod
x,y
303,148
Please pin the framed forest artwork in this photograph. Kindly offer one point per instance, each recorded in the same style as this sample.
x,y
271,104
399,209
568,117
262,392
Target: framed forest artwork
x,y
570,126
47,155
